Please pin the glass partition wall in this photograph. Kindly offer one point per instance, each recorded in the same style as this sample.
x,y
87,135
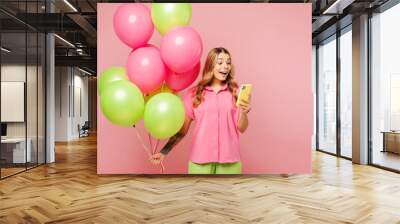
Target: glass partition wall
x,y
334,93
385,89
345,62
327,95
22,77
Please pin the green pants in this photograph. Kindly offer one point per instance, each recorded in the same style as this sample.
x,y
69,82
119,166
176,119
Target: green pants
x,y
215,168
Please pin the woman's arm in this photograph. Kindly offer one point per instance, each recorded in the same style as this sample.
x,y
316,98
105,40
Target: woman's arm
x,y
243,121
172,142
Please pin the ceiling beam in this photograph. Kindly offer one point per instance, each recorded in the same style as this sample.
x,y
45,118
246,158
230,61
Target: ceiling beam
x,y
337,7
83,61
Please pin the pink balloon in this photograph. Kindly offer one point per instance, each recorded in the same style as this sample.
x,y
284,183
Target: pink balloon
x,y
181,49
150,45
133,24
146,69
178,82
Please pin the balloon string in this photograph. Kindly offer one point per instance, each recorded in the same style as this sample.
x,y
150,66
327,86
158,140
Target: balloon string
x,y
141,141
146,149
151,143
162,168
155,150
156,146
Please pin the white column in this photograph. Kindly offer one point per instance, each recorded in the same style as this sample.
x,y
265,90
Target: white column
x,y
50,92
360,90
50,110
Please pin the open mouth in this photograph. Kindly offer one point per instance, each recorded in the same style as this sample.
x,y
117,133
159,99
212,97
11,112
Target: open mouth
x,y
224,73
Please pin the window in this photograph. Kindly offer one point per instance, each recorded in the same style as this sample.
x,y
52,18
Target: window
x,y
385,88
327,95
346,93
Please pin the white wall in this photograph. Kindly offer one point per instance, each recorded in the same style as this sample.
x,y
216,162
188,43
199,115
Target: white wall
x,y
71,93
79,117
12,73
62,81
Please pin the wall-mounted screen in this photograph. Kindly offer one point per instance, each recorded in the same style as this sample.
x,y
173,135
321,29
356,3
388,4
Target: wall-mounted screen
x,y
12,101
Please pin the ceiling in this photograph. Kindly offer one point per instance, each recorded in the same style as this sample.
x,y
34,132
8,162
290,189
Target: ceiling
x,y
76,21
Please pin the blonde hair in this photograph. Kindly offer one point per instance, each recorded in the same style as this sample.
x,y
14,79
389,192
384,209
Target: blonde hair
x,y
208,76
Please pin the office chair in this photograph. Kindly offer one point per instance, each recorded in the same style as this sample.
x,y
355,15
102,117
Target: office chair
x,y
84,130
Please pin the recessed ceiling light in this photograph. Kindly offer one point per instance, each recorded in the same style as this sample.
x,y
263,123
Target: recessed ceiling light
x,y
70,5
5,50
84,71
64,40
337,7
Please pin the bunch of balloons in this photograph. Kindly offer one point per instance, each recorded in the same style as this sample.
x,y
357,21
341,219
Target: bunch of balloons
x,y
146,87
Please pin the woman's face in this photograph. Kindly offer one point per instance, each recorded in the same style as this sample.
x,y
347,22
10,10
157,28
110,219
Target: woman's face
x,y
222,67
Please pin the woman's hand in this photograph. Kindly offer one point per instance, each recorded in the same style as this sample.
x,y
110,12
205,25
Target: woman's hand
x,y
244,108
245,105
157,158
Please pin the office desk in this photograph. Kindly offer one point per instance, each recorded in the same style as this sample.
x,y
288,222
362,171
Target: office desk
x,y
391,141
13,150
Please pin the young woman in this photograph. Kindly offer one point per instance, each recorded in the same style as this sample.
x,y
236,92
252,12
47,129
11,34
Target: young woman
x,y
212,105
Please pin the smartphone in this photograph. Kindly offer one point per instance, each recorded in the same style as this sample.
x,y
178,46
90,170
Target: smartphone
x,y
244,93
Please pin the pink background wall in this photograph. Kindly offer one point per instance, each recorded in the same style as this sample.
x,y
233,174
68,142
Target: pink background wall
x,y
271,48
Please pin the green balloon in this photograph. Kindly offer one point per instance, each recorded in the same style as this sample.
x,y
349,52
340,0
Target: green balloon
x,y
122,103
110,75
166,16
164,115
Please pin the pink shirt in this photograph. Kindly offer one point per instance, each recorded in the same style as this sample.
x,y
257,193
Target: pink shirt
x,y
216,137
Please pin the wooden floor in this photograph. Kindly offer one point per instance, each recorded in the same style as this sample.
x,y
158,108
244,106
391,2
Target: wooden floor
x,y
387,159
8,171
70,191
5,172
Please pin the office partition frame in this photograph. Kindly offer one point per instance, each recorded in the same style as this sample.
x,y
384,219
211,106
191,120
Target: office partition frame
x,y
337,35
43,119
